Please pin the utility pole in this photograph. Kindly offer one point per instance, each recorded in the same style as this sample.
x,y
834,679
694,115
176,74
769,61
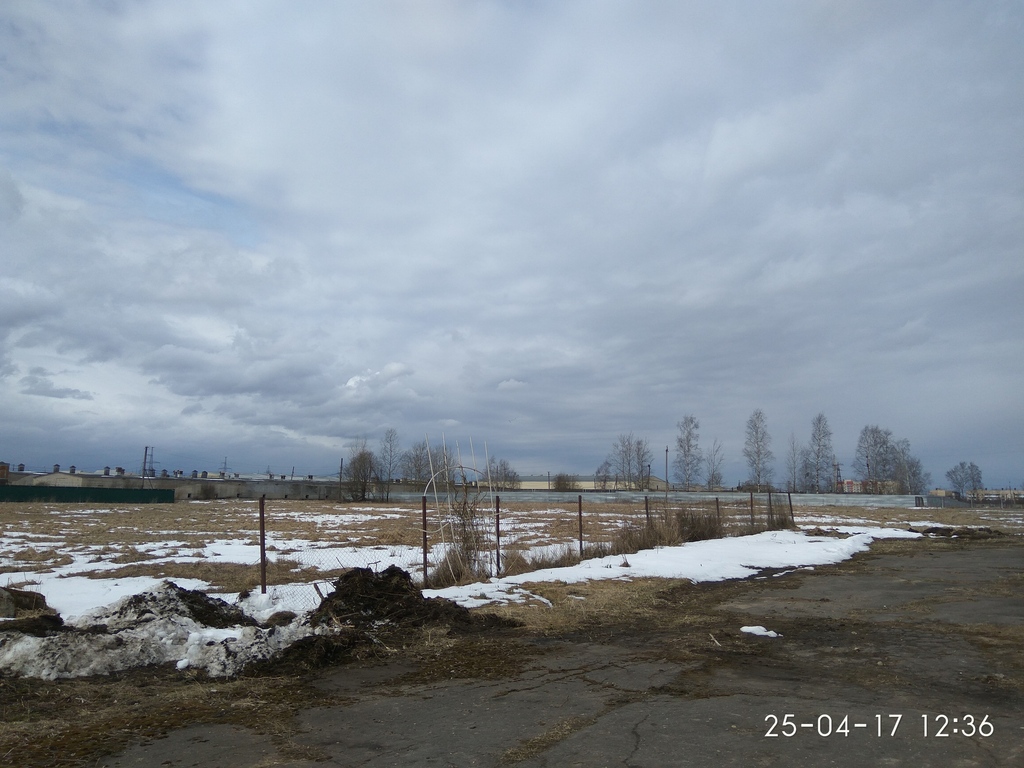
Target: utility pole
x,y
341,468
145,463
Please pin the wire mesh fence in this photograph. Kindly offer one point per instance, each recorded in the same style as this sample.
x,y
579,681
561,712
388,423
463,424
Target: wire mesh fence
x,y
467,535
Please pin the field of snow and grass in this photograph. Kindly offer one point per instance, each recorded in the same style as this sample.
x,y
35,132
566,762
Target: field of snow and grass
x,y
91,564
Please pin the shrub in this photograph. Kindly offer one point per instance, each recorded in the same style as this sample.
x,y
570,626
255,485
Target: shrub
x,y
564,482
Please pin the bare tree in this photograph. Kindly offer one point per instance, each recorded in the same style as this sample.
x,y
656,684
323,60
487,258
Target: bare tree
x,y
416,462
387,460
360,471
965,477
630,460
642,458
757,450
621,460
884,463
976,484
794,456
819,455
908,471
688,458
873,460
502,475
712,469
603,475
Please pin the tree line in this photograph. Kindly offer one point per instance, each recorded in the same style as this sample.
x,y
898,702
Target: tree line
x,y
882,462
371,474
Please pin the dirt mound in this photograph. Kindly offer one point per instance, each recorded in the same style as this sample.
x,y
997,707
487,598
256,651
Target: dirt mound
x,y
174,601
368,600
199,632
41,625
366,609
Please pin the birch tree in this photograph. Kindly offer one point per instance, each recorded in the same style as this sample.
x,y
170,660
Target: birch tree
x,y
387,460
882,460
630,460
794,456
712,466
819,455
757,450
687,463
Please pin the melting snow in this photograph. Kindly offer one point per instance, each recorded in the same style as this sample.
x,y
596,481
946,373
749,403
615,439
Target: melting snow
x,y
165,630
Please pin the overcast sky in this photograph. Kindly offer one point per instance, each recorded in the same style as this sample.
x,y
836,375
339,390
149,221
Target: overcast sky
x,y
261,231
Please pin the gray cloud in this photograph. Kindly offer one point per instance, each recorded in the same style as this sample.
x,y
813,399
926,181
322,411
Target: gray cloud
x,y
39,383
534,225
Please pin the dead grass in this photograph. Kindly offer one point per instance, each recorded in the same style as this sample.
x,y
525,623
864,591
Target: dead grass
x,y
222,577
562,730
122,535
72,722
50,557
586,605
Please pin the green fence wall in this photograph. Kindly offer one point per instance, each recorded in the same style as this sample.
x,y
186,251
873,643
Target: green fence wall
x,y
86,495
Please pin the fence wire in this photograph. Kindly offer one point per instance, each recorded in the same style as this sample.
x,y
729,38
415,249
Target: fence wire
x,y
479,537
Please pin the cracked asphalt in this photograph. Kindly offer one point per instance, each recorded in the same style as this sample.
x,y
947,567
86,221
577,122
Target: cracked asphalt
x,y
908,658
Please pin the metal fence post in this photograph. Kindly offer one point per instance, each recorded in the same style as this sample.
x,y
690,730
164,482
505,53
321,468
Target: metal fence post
x,y
579,501
497,535
263,546
424,541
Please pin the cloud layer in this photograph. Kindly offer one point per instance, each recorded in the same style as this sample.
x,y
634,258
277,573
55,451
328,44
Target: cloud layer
x,y
268,231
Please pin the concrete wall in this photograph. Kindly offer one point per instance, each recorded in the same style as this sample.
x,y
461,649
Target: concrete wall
x,y
185,488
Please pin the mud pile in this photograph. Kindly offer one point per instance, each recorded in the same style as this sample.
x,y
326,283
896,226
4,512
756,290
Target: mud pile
x,y
369,613
367,600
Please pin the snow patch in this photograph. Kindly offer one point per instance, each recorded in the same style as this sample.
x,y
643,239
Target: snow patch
x,y
761,631
156,626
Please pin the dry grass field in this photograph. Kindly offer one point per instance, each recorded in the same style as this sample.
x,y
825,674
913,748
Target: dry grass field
x,y
217,541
